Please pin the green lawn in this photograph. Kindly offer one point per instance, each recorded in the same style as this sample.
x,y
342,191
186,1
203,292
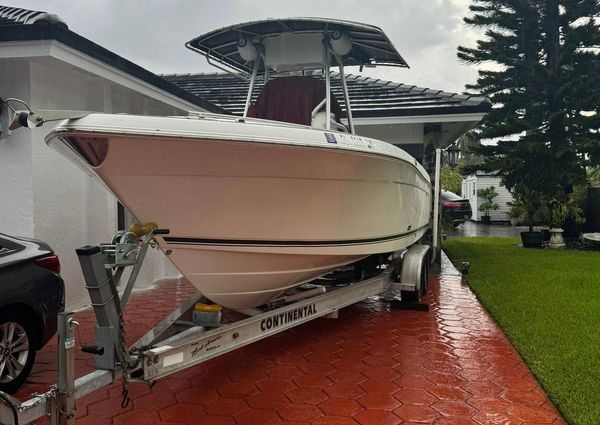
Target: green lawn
x,y
548,303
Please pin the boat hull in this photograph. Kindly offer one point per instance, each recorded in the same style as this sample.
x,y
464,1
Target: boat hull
x,y
252,215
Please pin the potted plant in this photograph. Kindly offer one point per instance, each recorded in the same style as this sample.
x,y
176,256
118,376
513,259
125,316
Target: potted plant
x,y
515,211
534,212
488,194
559,209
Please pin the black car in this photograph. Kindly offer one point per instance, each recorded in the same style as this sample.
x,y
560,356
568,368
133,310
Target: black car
x,y
455,208
32,293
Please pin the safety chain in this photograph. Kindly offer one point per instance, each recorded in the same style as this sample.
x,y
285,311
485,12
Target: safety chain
x,y
53,394
125,366
67,415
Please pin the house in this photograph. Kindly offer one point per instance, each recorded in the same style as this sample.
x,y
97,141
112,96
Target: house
x,y
480,180
413,118
50,67
42,194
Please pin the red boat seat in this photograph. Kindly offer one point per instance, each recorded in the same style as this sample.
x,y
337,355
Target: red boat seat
x,y
291,99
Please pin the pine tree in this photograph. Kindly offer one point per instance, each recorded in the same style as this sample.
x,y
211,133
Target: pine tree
x,y
545,75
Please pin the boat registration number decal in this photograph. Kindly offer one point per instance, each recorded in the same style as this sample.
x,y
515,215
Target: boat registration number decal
x,y
288,317
330,137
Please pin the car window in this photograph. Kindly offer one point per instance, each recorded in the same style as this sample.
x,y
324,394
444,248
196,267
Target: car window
x,y
8,247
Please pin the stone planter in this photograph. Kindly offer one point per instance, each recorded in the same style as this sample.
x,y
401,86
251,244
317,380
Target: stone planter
x,y
485,219
556,239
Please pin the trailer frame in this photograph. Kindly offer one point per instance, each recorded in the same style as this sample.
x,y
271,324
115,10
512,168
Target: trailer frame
x,y
179,341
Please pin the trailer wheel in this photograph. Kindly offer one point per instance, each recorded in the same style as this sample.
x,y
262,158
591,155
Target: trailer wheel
x,y
409,296
421,291
424,276
415,272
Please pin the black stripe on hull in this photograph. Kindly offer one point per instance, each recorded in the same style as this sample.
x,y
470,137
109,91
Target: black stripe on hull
x,y
290,243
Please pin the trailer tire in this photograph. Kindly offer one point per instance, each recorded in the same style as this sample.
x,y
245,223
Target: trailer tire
x,y
410,296
415,270
425,277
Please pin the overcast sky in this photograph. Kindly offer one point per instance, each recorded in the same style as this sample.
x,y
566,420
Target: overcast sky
x,y
152,33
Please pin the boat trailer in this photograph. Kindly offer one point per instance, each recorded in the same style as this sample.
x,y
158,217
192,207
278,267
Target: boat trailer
x,y
191,334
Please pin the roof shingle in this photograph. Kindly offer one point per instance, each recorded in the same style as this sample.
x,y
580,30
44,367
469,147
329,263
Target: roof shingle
x,y
369,97
218,92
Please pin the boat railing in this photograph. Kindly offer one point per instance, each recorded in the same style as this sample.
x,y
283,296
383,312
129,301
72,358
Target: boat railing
x,y
313,114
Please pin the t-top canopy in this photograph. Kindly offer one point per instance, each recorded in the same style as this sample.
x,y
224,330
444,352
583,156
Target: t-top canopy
x,y
299,40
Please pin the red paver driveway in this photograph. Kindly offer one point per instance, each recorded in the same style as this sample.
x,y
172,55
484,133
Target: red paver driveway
x,y
451,365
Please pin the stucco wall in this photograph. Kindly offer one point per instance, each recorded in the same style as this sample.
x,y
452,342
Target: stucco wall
x,y
16,193
43,194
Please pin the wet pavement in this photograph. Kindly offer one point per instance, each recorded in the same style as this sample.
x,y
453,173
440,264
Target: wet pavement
x,y
450,365
472,228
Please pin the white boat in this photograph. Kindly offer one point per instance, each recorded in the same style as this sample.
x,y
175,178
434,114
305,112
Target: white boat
x,y
257,206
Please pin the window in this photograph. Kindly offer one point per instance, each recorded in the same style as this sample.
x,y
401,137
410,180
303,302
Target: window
x,y
8,247
124,217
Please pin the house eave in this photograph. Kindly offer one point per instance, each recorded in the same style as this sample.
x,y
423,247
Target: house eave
x,y
35,40
419,119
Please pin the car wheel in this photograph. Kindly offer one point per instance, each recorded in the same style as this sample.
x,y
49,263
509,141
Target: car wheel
x,y
17,351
